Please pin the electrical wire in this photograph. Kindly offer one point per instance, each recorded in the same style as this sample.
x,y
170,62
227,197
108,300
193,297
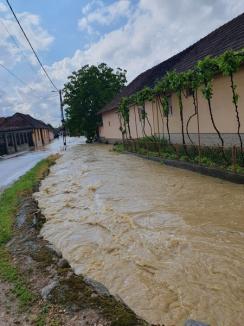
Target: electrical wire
x,y
33,50
18,102
17,45
15,76
24,83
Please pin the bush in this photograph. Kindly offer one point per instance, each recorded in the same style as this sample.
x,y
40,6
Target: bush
x,y
184,158
206,161
239,169
119,148
211,156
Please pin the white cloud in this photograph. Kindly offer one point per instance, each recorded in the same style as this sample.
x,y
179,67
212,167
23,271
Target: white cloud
x,y
39,37
92,4
10,53
13,96
103,15
153,31
3,8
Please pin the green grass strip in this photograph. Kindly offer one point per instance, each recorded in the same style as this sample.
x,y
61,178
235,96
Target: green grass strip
x,y
10,200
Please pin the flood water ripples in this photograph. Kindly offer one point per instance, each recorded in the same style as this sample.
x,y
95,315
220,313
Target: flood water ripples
x,y
169,242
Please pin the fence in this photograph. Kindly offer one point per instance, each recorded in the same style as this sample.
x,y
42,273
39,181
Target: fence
x,y
231,158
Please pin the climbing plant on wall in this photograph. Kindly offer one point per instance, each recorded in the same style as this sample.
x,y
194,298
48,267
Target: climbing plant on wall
x,y
162,91
124,111
229,63
144,95
191,84
176,85
208,68
201,76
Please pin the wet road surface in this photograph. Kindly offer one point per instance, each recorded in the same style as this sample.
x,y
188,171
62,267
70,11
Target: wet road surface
x,y
169,242
12,168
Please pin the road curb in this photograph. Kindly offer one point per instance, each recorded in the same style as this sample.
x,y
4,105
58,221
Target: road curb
x,y
7,157
212,172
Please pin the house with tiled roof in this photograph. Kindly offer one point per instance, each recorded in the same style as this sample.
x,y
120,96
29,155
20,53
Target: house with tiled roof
x,y
230,36
1,120
21,132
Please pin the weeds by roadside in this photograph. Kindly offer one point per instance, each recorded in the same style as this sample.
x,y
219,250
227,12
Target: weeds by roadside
x,y
29,264
10,200
210,156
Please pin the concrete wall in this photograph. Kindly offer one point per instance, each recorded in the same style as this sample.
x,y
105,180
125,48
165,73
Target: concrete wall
x,y
223,112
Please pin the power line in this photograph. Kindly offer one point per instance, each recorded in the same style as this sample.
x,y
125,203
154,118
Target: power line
x,y
27,60
14,40
15,76
22,82
35,53
17,45
43,68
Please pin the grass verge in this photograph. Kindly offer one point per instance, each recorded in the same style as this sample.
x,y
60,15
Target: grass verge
x,y
10,200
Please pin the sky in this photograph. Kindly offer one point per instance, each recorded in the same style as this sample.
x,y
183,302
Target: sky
x,y
67,34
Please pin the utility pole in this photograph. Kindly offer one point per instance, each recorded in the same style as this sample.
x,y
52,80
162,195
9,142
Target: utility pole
x,y
62,118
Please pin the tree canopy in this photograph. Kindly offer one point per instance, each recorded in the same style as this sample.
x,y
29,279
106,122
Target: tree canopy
x,y
87,91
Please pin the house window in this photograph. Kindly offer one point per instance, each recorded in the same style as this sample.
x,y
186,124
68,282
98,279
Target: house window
x,y
109,123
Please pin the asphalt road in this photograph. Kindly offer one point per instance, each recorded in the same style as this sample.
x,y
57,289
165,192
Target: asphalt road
x,y
12,168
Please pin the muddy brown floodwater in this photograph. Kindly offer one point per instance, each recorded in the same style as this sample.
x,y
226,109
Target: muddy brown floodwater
x,y
169,242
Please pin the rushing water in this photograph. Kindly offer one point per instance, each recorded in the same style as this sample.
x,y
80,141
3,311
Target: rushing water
x,y
169,242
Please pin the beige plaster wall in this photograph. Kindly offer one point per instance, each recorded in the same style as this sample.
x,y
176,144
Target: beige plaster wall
x,y
222,106
111,125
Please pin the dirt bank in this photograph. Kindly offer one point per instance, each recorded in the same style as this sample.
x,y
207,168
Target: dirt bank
x,y
166,240
59,297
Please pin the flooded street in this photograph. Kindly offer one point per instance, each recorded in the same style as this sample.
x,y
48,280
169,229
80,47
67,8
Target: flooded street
x,y
13,168
169,242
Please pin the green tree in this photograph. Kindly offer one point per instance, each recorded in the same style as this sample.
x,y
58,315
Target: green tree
x,y
87,91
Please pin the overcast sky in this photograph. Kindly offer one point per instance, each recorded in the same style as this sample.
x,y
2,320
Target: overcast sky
x,y
67,34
